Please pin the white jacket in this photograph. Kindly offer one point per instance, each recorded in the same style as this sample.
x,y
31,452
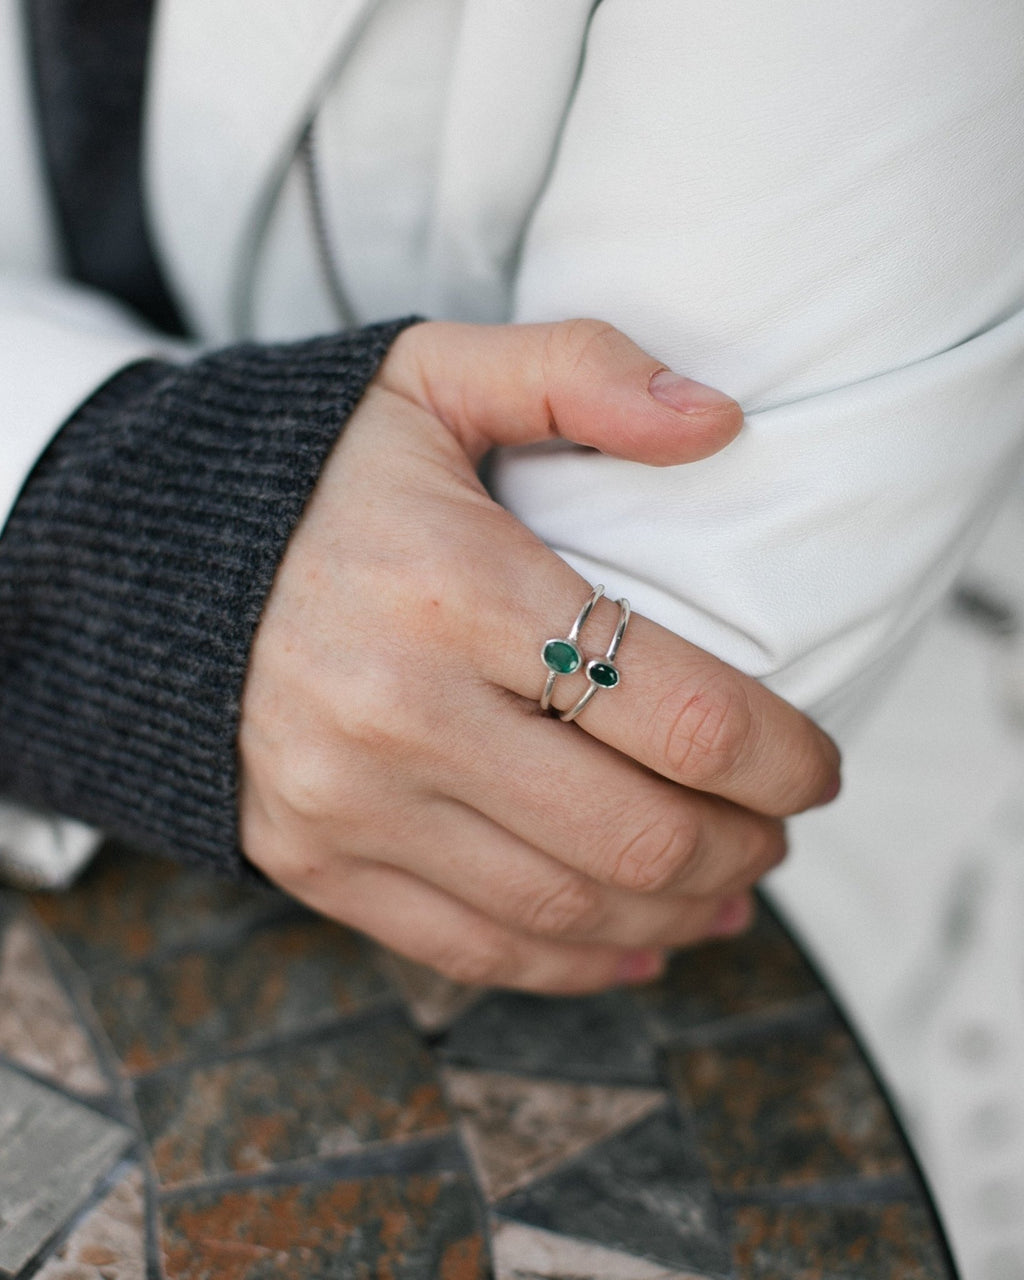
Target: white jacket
x,y
820,211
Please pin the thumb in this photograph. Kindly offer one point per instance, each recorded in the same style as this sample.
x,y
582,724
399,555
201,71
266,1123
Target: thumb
x,y
580,380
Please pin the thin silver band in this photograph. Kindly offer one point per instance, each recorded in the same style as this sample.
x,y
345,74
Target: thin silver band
x,y
570,639
608,665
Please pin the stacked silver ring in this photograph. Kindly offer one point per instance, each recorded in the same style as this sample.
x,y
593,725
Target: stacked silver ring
x,y
562,657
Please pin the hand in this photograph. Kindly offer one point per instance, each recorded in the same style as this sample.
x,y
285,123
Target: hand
x,y
396,772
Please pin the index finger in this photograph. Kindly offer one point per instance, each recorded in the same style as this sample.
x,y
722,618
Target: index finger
x,y
677,709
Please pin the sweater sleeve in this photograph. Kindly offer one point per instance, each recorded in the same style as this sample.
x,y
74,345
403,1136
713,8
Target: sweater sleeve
x,y
133,572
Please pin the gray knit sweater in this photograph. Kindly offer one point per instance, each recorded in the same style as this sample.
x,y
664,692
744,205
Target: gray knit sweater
x,y
133,571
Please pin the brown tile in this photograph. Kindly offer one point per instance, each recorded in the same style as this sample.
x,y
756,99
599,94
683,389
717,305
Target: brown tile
x,y
281,979
883,1242
366,1083
128,905
38,1025
424,1227
55,1150
433,1001
761,971
528,1253
794,1107
518,1128
109,1243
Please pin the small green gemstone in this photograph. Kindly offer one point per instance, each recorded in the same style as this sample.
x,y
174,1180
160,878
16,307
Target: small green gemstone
x,y
603,673
562,657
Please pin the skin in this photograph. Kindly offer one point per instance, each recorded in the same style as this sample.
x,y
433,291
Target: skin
x,y
396,771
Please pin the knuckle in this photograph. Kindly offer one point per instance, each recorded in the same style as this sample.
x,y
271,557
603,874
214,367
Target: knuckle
x,y
653,859
570,909
306,783
702,734
374,711
573,343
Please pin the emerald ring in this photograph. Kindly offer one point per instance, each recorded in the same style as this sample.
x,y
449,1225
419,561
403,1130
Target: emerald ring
x,y
562,656
602,672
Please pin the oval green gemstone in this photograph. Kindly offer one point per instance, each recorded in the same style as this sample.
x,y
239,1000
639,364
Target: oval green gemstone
x,y
562,657
603,674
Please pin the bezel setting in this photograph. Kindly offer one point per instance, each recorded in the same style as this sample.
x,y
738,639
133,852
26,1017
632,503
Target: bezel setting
x,y
561,656
602,673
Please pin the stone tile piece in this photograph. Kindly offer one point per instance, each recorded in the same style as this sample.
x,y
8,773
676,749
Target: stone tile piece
x,y
434,1002
55,1150
38,1025
128,905
527,1253
285,978
759,972
642,1192
365,1083
518,1128
787,1110
883,1242
424,1227
109,1243
598,1038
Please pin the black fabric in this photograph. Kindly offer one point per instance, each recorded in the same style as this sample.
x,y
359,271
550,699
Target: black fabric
x,y
89,59
133,571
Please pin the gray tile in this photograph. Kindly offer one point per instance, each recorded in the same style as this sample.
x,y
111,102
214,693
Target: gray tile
x,y
55,1151
642,1192
600,1039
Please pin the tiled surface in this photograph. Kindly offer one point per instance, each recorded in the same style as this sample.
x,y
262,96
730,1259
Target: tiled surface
x,y
364,1083
240,1091
793,1106
109,1242
54,1152
358,1229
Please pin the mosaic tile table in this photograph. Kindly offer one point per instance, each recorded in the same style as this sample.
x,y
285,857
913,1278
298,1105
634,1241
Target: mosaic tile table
x,y
202,1082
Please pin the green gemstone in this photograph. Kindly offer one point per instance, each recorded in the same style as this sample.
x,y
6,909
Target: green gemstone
x,y
603,674
562,657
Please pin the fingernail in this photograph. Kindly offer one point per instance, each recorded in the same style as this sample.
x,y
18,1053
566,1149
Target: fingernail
x,y
734,916
639,966
685,395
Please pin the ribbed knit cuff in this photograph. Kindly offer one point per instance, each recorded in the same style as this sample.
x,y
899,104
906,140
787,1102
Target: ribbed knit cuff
x,y
133,572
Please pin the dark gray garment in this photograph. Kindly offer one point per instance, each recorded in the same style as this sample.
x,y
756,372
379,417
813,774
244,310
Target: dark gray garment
x,y
133,572
89,68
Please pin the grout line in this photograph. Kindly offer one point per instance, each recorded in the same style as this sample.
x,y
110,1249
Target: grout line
x,y
434,1153
835,1193
801,1012
391,1011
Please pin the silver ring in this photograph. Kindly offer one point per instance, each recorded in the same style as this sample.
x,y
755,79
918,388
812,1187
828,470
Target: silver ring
x,y
602,672
562,656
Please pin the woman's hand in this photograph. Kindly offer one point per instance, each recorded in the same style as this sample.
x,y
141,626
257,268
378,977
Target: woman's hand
x,y
397,773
